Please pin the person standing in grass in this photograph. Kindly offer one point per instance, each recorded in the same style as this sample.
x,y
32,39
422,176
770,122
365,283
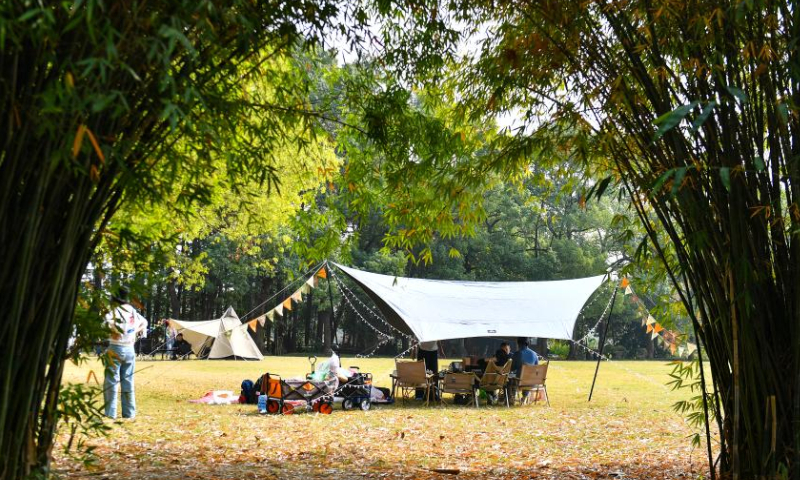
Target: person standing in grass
x,y
125,324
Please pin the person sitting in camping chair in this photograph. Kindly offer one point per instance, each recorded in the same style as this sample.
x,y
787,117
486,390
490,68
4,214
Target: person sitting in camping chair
x,y
181,348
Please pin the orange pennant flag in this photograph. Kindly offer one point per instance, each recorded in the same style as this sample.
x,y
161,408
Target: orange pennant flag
x,y
658,328
287,304
322,273
649,328
252,324
624,283
672,348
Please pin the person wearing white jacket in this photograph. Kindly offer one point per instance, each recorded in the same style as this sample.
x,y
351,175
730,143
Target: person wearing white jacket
x,y
125,324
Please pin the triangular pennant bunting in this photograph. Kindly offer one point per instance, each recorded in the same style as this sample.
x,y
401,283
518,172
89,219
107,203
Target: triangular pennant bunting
x,y
657,328
628,290
261,319
653,335
271,315
312,281
279,310
644,321
297,296
322,273
649,328
681,350
650,320
287,304
690,348
305,288
672,348
624,283
252,324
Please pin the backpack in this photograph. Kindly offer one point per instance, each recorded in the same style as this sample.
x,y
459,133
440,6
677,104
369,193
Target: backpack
x,y
248,394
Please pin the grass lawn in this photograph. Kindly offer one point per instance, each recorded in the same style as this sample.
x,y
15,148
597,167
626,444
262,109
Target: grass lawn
x,y
628,430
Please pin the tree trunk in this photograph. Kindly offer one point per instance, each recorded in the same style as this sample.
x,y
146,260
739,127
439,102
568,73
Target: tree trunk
x,y
173,291
327,324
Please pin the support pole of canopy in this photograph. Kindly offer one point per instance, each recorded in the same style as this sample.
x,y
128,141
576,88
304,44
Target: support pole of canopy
x,y
328,276
603,342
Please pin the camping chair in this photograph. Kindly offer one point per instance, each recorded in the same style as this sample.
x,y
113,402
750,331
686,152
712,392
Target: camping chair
x,y
495,379
459,384
532,379
411,376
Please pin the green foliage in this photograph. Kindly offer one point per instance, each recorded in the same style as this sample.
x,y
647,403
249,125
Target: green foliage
x,y
81,415
686,375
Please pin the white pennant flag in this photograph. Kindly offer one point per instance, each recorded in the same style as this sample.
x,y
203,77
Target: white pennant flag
x,y
305,288
297,296
681,350
628,290
279,309
312,282
271,315
690,348
650,320
261,319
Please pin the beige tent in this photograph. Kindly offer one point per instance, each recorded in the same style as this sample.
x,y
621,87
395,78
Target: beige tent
x,y
226,337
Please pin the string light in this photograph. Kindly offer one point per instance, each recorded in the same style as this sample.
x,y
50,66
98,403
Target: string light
x,y
592,331
404,352
375,349
342,287
349,304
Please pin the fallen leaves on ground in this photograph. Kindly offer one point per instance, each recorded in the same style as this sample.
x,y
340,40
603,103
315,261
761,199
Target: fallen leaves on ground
x,y
640,438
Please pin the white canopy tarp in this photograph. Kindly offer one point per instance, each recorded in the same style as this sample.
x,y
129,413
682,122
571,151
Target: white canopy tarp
x,y
446,309
228,334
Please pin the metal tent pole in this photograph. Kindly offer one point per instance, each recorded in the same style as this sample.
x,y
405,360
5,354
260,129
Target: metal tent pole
x,y
328,276
603,342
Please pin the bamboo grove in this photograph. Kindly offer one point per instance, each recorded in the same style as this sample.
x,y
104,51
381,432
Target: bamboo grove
x,y
105,102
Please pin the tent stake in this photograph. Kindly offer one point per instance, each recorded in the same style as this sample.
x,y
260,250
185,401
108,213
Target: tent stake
x,y
603,343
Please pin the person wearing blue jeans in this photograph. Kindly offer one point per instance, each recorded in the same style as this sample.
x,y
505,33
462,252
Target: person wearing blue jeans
x,y
125,324
119,371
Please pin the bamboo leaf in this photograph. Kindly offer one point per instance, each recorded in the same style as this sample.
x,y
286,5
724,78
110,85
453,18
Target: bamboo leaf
x,y
96,146
783,112
725,176
738,93
602,187
670,120
679,174
759,161
663,179
701,119
76,144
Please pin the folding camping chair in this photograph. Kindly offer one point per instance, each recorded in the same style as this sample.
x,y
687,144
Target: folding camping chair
x,y
532,379
495,379
410,376
459,384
